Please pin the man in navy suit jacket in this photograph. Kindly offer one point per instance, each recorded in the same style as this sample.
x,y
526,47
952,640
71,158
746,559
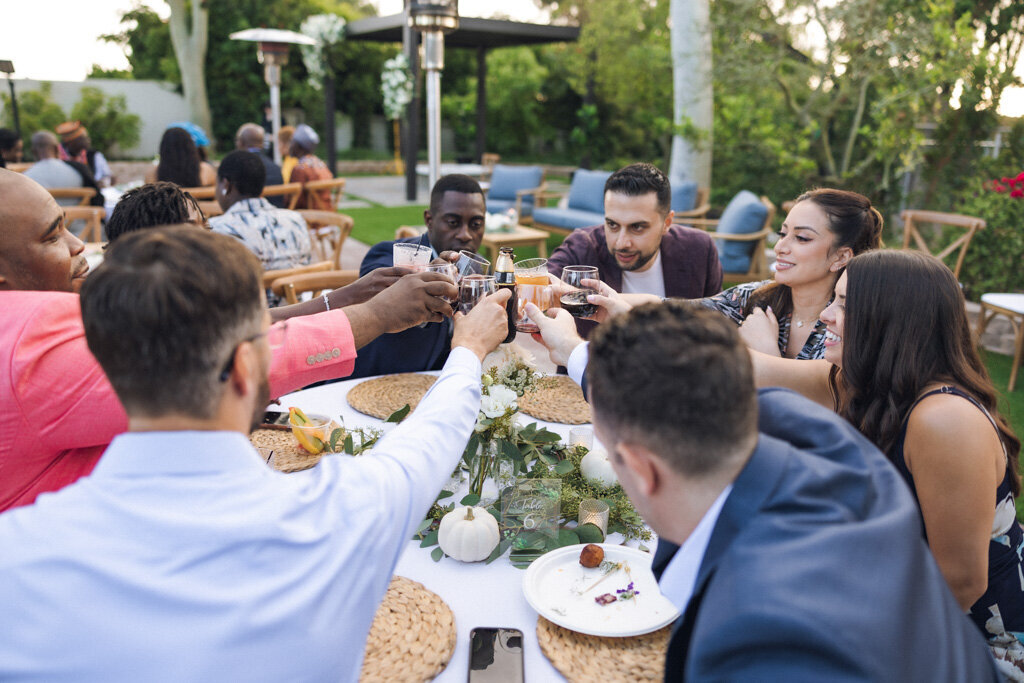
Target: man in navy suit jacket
x,y
798,552
455,221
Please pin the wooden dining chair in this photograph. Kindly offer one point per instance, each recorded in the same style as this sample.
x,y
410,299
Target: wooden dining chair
x,y
315,190
289,191
327,233
82,194
210,209
270,275
914,219
93,217
19,166
293,286
204,193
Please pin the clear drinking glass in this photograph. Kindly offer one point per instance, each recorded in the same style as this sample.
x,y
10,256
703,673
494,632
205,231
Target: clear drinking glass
x,y
532,286
410,255
575,300
472,289
472,264
446,269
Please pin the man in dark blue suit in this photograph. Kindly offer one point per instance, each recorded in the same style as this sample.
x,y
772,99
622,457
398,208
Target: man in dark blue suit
x,y
794,549
455,221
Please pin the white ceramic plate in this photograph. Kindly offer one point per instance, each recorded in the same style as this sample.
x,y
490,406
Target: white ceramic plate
x,y
552,582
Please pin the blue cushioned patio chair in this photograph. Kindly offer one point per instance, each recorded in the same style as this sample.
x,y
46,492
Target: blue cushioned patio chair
x,y
740,235
688,200
585,205
515,187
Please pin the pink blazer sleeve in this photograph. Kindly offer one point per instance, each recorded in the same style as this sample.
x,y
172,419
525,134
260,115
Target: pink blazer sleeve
x,y
317,347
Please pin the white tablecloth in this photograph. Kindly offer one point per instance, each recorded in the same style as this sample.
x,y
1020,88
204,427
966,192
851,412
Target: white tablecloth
x,y
478,594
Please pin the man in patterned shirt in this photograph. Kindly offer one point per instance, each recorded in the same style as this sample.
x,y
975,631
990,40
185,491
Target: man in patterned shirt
x,y
278,237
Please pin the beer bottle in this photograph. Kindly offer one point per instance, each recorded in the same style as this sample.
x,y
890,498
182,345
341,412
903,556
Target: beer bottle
x,y
505,278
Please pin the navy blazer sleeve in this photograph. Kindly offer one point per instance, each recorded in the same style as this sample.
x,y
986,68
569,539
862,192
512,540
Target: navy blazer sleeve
x,y
380,255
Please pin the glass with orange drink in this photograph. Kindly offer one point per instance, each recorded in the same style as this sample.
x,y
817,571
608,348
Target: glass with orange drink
x,y
532,286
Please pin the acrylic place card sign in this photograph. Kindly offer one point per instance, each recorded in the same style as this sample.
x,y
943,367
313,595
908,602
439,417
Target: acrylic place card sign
x,y
533,506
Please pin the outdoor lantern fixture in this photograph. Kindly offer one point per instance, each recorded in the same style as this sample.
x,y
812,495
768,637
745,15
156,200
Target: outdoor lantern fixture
x,y
7,67
434,18
272,52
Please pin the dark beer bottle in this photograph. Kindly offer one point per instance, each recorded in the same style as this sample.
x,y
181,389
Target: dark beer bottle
x,y
505,278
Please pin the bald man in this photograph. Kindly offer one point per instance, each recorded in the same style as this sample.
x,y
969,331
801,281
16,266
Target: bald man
x,y
49,170
250,138
59,410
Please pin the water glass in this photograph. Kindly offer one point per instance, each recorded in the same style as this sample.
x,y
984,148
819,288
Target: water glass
x,y
532,286
410,255
472,264
446,269
575,300
472,289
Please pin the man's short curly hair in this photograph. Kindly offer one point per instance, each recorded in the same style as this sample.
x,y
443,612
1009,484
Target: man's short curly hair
x,y
149,206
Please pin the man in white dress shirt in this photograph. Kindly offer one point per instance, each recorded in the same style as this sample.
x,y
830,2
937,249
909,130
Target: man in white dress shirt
x,y
183,557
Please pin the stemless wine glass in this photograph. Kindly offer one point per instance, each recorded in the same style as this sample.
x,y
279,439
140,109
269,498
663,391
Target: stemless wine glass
x,y
575,300
446,269
472,289
532,286
410,255
472,264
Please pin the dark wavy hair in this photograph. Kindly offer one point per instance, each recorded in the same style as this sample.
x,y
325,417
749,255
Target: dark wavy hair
x,y
853,221
148,206
179,158
905,328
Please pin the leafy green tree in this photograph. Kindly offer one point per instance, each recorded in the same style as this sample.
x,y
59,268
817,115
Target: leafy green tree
x,y
36,111
107,119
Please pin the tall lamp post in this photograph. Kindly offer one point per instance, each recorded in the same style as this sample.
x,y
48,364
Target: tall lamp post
x,y
7,67
272,52
434,18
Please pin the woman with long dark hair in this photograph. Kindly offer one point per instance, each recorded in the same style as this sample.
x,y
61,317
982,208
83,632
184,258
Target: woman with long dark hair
x,y
823,231
900,364
180,162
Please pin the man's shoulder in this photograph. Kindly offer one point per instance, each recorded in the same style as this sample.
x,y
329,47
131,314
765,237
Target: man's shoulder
x,y
21,302
589,240
688,237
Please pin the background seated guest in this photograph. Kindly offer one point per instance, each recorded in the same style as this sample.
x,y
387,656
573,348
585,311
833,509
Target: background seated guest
x,y
638,249
900,364
278,237
284,141
455,221
823,231
308,166
51,172
10,147
76,146
799,551
250,138
61,411
254,570
180,162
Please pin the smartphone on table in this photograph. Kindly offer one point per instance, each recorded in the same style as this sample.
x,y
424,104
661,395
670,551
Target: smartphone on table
x,y
495,655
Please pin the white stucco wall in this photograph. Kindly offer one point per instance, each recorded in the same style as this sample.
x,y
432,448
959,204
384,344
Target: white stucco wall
x,y
156,104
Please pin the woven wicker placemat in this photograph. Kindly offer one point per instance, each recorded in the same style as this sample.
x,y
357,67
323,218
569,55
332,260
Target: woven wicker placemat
x,y
289,456
413,635
381,396
556,399
580,657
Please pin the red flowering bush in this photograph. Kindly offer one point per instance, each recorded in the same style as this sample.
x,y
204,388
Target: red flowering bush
x,y
995,258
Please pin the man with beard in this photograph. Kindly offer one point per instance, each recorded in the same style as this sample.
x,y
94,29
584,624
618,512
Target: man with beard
x,y
638,249
183,557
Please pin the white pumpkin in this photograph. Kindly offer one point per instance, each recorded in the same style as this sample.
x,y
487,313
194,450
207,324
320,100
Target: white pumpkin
x,y
468,534
596,468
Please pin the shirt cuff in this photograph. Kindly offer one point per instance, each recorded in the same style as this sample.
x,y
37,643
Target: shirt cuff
x,y
463,361
577,364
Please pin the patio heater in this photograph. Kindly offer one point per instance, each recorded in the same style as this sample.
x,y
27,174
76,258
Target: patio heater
x,y
272,51
7,67
434,18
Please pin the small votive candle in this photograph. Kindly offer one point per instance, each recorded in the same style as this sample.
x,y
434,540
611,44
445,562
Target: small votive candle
x,y
594,511
581,436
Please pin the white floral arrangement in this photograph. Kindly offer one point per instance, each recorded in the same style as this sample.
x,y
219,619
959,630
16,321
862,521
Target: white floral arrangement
x,y
326,30
396,85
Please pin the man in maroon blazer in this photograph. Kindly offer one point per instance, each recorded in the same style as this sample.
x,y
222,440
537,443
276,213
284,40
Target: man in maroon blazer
x,y
638,249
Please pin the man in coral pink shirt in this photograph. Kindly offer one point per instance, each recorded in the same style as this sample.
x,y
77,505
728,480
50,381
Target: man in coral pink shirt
x,y
59,410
